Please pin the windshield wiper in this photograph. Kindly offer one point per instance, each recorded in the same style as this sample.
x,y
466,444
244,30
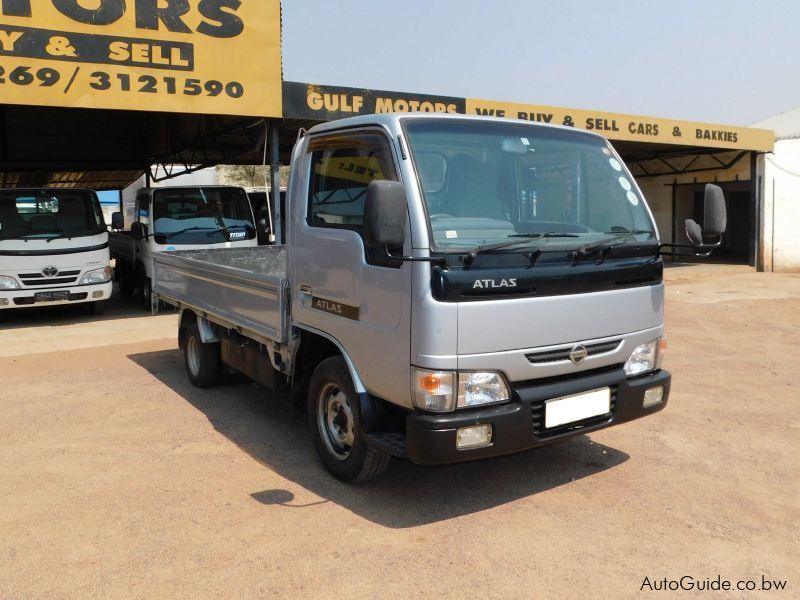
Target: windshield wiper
x,y
604,247
470,257
73,234
483,248
180,231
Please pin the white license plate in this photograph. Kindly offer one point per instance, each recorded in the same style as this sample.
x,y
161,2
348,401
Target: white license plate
x,y
51,296
576,407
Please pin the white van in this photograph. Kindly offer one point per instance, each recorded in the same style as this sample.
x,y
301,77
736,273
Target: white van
x,y
53,249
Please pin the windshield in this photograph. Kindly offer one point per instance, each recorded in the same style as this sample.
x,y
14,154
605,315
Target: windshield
x,y
49,214
490,182
202,215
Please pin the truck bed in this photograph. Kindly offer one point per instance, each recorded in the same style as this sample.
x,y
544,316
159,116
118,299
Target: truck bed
x,y
238,288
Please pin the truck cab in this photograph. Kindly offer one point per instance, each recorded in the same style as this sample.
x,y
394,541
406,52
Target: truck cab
x,y
53,249
167,219
521,300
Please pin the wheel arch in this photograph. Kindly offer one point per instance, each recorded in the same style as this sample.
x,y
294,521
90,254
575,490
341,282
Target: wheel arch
x,y
316,346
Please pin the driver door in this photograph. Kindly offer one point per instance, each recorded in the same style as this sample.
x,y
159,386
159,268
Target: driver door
x,y
339,286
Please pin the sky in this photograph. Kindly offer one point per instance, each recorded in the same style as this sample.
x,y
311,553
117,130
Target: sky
x,y
730,62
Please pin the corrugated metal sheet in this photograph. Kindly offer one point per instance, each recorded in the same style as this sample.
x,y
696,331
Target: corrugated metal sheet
x,y
96,180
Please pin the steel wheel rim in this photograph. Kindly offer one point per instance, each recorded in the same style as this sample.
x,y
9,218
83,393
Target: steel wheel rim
x,y
335,421
193,355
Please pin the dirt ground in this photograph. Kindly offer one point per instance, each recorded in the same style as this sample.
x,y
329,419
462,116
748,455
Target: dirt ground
x,y
118,479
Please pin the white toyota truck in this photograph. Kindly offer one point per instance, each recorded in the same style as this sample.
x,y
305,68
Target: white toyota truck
x,y
53,249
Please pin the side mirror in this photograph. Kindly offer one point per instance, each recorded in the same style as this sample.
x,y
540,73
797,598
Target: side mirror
x,y
385,214
694,232
138,231
117,221
715,215
715,220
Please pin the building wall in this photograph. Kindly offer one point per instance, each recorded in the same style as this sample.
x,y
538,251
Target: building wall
x,y
781,208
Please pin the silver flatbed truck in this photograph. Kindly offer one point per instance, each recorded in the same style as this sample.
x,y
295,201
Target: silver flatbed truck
x,y
450,288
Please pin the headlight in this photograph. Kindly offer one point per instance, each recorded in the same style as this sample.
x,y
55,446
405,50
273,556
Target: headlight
x,y
433,390
436,391
8,283
475,389
643,359
97,276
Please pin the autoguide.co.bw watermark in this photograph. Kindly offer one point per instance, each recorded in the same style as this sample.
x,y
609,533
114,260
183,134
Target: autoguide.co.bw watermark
x,y
688,583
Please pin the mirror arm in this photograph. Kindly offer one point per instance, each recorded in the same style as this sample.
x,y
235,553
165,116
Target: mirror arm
x,y
430,259
701,251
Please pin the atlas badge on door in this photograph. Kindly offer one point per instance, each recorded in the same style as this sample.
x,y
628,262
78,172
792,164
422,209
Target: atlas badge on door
x,y
335,308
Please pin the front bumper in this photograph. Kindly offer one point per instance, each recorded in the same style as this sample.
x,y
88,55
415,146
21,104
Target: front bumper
x,y
519,425
76,294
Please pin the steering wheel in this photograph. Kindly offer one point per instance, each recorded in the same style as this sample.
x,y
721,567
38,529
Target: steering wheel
x,y
441,216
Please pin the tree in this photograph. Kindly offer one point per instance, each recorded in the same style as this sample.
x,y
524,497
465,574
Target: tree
x,y
251,176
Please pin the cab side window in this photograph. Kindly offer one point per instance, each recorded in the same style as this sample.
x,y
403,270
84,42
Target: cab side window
x,y
143,208
341,169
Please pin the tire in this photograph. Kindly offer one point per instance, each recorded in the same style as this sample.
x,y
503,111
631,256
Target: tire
x,y
335,430
147,294
202,361
96,308
126,286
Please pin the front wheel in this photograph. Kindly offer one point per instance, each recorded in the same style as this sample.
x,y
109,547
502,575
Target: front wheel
x,y
203,362
335,429
96,308
147,294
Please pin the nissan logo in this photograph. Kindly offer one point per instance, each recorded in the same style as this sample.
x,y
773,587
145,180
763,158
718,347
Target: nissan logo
x,y
49,272
578,354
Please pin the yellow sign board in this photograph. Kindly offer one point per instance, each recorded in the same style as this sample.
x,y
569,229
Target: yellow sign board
x,y
358,169
186,56
632,128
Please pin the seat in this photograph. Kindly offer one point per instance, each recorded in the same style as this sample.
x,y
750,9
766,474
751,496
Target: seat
x,y
11,223
43,224
471,190
71,215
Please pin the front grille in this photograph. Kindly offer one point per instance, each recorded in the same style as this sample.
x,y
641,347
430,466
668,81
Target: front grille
x,y
37,279
537,414
562,354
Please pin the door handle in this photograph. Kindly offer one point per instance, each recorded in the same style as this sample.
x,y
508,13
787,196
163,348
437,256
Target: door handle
x,y
305,295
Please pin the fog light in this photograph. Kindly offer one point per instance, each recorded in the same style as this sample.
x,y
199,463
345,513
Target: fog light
x,y
473,437
3,301
97,294
653,397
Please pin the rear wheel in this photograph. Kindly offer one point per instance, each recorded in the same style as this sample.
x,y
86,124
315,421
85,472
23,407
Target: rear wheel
x,y
126,285
335,428
203,363
147,294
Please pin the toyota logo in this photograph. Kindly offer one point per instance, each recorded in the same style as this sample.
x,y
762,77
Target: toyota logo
x,y
49,272
578,354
